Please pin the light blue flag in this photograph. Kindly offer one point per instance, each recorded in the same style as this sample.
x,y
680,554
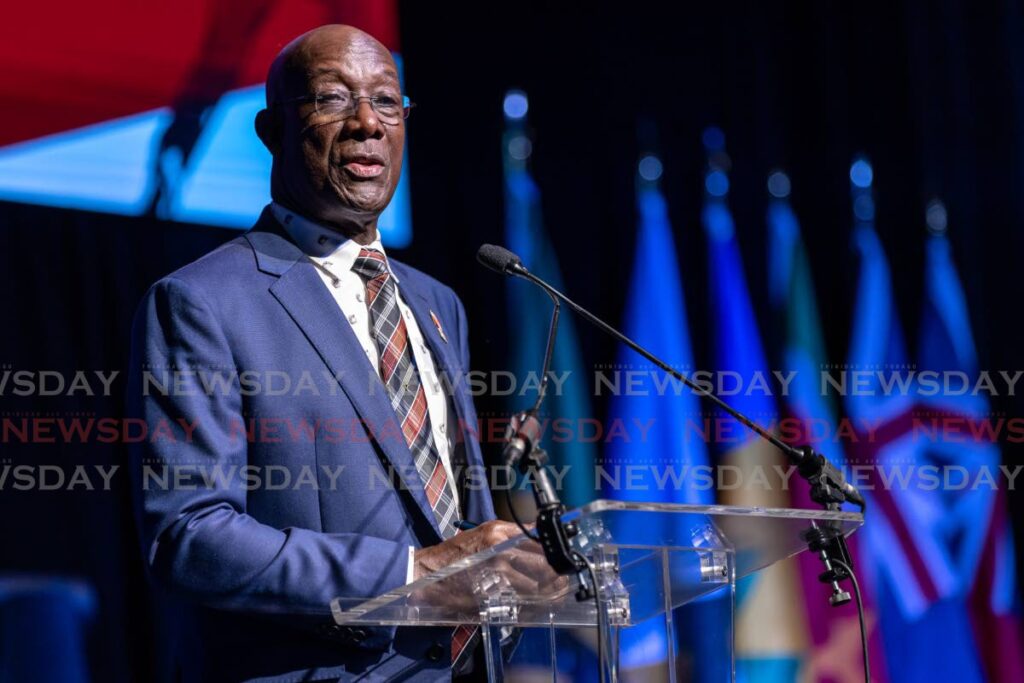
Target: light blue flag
x,y
791,291
568,400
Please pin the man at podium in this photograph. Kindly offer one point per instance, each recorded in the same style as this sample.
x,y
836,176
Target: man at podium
x,y
351,481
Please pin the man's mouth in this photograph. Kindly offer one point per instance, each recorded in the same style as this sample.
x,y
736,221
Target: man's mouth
x,y
364,166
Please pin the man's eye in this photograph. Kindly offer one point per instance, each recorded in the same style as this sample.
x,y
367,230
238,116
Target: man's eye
x,y
386,101
333,98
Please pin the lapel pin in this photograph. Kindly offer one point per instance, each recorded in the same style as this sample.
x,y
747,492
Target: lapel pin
x,y
437,324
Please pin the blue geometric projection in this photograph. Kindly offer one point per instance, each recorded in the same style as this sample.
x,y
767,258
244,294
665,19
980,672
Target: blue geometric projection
x,y
104,167
109,167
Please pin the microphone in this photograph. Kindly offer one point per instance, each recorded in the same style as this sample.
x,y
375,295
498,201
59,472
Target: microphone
x,y
828,484
499,259
522,437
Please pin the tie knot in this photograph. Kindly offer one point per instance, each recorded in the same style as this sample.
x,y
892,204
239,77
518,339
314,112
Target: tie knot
x,y
370,264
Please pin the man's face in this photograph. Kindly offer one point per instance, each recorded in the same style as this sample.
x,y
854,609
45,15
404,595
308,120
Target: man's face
x,y
333,164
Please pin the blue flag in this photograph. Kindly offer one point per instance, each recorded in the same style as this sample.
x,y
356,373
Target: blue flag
x,y
567,412
669,415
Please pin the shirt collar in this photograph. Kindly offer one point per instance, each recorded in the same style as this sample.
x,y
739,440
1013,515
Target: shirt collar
x,y
321,243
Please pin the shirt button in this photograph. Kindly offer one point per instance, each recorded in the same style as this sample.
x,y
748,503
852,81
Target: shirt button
x,y
328,264
352,318
359,296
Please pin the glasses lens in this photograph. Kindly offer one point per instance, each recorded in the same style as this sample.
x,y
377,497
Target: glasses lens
x,y
388,109
333,105
340,105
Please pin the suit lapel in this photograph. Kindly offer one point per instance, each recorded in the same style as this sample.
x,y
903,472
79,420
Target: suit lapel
x,y
303,295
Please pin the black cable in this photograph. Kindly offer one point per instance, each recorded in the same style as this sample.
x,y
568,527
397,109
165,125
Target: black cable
x,y
860,614
597,607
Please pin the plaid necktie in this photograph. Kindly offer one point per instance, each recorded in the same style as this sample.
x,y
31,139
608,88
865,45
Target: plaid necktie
x,y
398,371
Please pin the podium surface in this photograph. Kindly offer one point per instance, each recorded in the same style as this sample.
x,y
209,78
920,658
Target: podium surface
x,y
647,559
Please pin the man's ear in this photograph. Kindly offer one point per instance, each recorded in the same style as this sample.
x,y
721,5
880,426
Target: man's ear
x,y
269,129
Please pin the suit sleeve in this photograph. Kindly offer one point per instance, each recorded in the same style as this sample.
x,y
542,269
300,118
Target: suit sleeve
x,y
196,534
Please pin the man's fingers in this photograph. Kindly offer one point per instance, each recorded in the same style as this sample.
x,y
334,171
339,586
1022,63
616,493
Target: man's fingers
x,y
520,581
492,533
533,565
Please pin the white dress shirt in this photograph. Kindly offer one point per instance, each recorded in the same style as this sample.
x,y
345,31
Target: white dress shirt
x,y
336,255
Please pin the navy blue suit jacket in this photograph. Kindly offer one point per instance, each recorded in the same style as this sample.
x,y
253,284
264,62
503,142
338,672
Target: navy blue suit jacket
x,y
268,498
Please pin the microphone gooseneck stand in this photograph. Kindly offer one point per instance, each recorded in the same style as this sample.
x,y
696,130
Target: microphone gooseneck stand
x,y
522,451
828,488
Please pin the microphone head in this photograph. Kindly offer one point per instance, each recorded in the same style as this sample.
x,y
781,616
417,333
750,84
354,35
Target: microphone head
x,y
497,258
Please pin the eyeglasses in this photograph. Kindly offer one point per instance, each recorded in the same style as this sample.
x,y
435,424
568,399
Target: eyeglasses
x,y
338,105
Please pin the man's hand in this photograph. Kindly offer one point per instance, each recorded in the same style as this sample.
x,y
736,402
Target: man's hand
x,y
525,567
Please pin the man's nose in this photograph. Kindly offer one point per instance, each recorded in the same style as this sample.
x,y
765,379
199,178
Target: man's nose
x,y
364,123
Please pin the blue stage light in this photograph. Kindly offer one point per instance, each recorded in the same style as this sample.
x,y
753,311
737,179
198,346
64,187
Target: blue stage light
x,y
778,185
650,167
861,173
520,147
516,104
716,183
935,216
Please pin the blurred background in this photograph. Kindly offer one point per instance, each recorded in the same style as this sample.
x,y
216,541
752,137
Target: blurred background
x,y
742,186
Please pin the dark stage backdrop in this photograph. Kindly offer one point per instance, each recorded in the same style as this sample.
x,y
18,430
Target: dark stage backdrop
x,y
932,92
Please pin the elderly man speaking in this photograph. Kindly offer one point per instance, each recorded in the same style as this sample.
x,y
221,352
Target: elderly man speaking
x,y
246,570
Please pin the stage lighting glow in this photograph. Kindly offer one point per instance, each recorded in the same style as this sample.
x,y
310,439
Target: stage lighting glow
x,y
103,167
778,185
935,216
516,105
650,167
520,147
716,183
861,173
713,139
864,208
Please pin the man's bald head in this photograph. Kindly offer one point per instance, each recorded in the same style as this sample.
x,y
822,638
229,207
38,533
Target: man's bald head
x,y
339,170
289,71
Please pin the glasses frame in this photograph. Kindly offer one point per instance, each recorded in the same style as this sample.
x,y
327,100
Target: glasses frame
x,y
315,98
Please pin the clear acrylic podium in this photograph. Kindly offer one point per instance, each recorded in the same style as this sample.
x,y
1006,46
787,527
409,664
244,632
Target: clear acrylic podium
x,y
648,559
